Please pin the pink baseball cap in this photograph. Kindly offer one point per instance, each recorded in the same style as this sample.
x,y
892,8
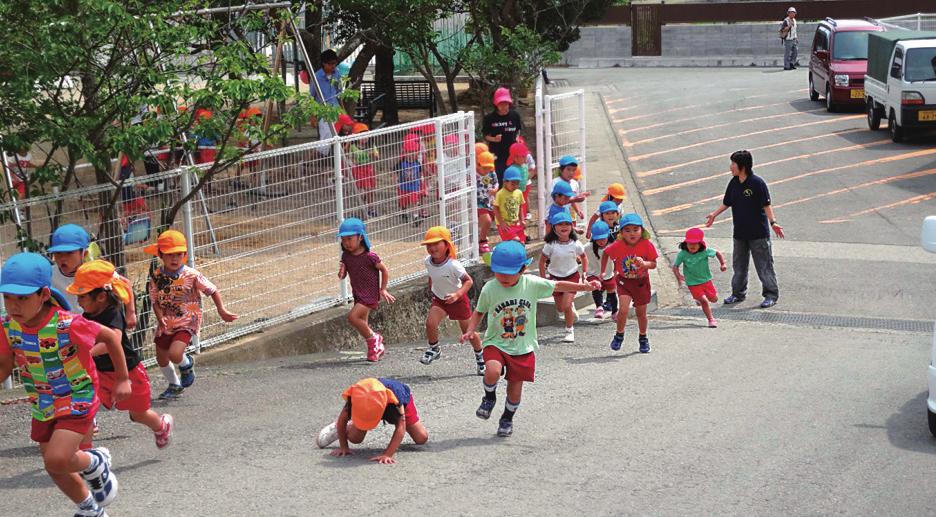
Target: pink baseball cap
x,y
502,95
695,236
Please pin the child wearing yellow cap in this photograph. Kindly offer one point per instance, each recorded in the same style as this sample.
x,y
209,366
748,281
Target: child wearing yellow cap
x,y
449,283
102,294
175,290
367,402
487,187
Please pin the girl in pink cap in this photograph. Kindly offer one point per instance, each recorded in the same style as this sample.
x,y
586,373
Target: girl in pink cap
x,y
501,129
693,256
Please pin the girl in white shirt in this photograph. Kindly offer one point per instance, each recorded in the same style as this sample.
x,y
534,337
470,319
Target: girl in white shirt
x,y
560,262
594,250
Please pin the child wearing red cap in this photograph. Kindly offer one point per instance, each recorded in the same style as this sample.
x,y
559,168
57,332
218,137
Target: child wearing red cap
x,y
102,293
175,290
363,155
694,258
634,256
449,283
411,187
367,402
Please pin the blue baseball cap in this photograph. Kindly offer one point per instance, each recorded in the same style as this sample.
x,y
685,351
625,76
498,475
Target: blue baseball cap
x,y
608,206
562,187
26,273
631,220
509,257
69,237
600,230
561,217
567,160
354,226
513,173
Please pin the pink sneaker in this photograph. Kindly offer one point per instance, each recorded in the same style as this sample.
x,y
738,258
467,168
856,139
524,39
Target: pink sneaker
x,y
712,323
379,349
163,437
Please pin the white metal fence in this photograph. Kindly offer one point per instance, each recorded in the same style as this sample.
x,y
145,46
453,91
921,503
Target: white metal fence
x,y
560,131
916,22
265,231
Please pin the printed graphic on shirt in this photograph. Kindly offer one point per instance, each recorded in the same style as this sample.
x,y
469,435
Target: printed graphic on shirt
x,y
513,318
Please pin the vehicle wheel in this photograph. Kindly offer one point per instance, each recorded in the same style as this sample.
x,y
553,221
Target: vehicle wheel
x,y
931,417
874,116
896,132
829,105
813,94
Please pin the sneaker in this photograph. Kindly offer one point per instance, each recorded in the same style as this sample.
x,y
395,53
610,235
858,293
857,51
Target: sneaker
x,y
712,323
484,247
379,349
614,315
768,303
432,353
96,430
91,512
101,480
599,313
173,392
188,374
327,435
481,367
569,335
164,436
731,300
644,344
505,428
616,341
484,410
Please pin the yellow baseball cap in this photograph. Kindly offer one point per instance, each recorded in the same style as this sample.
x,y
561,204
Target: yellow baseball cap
x,y
486,160
369,398
616,190
169,241
438,234
99,274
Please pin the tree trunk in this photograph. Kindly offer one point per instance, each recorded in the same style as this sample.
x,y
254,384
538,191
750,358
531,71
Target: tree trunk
x,y
383,76
452,95
312,35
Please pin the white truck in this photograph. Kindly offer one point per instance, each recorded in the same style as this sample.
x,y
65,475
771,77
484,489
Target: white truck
x,y
901,81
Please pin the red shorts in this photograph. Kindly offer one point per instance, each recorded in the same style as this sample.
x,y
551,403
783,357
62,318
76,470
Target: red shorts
x,y
207,155
486,212
706,290
574,277
42,431
139,400
458,311
637,288
165,340
514,232
364,177
408,199
606,285
519,367
410,412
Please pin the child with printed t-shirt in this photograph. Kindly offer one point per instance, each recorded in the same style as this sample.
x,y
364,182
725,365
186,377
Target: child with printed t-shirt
x,y
509,303
52,348
487,190
449,283
616,194
507,205
175,290
634,256
694,258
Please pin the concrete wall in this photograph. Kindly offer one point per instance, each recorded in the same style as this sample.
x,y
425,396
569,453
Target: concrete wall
x,y
600,47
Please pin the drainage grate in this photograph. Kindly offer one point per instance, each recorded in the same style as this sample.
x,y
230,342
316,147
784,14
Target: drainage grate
x,y
560,83
806,319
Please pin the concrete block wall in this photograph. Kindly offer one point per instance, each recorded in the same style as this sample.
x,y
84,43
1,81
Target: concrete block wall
x,y
600,46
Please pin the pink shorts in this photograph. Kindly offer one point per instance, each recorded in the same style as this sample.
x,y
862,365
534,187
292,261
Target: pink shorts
x,y
514,232
706,290
139,400
410,412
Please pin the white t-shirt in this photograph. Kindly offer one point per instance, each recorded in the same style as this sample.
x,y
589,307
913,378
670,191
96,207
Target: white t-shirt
x,y
594,262
60,282
792,34
562,257
446,277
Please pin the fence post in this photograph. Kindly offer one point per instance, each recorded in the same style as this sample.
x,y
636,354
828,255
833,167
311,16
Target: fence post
x,y
540,156
583,185
473,185
546,175
189,232
339,204
440,171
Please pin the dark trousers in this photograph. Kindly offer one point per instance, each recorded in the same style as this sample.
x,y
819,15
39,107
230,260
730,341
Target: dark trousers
x,y
761,250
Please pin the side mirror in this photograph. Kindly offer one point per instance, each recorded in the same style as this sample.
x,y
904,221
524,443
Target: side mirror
x,y
928,234
822,54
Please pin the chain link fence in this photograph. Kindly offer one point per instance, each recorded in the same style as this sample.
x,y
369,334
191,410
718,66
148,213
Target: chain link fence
x,y
914,22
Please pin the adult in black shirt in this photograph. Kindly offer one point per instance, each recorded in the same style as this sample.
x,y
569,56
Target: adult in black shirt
x,y
501,129
749,199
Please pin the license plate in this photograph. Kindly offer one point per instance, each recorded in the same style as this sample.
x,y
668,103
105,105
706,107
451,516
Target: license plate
x,y
926,115
857,94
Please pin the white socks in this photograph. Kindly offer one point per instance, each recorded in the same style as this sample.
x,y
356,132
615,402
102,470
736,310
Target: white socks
x,y
169,372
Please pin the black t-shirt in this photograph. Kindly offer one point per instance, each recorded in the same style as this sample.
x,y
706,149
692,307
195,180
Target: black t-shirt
x,y
113,318
747,201
508,125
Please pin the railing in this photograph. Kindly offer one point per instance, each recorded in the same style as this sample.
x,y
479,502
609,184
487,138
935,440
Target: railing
x,y
916,22
560,130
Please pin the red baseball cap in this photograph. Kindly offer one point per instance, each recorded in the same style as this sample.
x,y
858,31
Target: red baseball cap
x,y
695,236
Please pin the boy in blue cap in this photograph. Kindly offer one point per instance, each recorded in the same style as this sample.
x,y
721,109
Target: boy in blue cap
x,y
52,348
507,207
562,195
509,302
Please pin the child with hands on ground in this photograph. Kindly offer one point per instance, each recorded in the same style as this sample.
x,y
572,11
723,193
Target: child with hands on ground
x,y
634,256
563,252
694,258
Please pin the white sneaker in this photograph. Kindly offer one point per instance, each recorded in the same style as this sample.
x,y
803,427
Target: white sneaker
x,y
599,313
101,481
327,436
569,335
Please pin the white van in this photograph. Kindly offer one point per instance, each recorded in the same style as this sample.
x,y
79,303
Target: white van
x,y
901,81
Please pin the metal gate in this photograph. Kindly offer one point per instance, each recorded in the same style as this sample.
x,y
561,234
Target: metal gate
x,y
646,30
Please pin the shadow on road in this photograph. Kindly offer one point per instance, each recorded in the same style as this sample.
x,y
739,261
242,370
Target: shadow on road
x,y
599,359
40,479
907,427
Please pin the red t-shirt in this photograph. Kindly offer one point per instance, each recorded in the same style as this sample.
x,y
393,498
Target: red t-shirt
x,y
624,257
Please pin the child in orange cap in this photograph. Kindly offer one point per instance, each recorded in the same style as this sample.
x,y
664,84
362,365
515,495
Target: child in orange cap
x,y
367,402
694,258
487,187
449,283
102,293
175,290
617,194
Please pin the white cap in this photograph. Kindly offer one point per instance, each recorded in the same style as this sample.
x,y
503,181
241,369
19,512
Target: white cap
x,y
791,10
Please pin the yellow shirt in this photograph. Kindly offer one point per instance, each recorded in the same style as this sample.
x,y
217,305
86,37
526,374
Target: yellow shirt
x,y
508,203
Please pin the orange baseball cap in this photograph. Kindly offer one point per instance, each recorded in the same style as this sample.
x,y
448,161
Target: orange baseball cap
x,y
438,234
369,399
616,190
169,241
250,112
481,147
99,274
486,161
359,127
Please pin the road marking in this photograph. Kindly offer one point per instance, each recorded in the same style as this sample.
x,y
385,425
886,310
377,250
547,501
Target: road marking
x,y
733,137
669,168
715,126
693,106
696,181
909,201
825,250
717,113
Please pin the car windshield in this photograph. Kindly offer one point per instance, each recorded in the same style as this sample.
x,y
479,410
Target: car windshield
x,y
850,46
920,64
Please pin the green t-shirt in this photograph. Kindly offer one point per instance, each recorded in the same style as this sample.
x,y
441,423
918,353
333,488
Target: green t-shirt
x,y
524,176
511,313
695,265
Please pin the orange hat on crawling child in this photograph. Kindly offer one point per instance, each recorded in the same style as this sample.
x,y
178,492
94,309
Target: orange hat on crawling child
x,y
169,241
486,161
99,274
369,398
439,234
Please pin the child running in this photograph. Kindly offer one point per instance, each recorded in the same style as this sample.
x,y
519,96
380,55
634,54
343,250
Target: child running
x,y
507,205
610,213
694,258
487,189
634,256
102,294
369,277
509,303
367,402
568,169
562,202
52,348
175,290
449,283
563,252
601,235
616,194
